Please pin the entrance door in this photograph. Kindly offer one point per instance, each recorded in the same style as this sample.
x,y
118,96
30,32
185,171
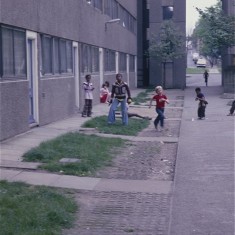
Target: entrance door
x,y
32,78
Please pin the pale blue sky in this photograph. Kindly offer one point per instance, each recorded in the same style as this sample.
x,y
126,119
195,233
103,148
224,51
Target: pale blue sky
x,y
192,14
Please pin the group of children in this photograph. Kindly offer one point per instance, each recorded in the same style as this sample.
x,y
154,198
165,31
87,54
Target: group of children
x,y
120,96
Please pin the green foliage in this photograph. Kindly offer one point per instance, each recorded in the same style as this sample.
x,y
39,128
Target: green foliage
x,y
134,126
93,151
214,31
195,70
169,44
26,210
142,97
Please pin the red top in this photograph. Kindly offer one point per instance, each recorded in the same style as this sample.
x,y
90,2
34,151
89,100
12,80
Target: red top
x,y
159,104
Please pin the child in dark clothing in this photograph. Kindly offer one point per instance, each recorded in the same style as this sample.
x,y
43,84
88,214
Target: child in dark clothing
x,y
232,109
202,103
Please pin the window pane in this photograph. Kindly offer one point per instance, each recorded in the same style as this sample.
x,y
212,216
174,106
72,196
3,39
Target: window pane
x,y
7,51
98,4
132,63
122,61
69,56
84,58
47,54
19,53
95,59
63,56
167,12
56,56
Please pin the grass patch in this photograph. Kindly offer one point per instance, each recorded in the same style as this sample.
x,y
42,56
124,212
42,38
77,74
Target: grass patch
x,y
142,97
133,128
195,70
28,210
93,151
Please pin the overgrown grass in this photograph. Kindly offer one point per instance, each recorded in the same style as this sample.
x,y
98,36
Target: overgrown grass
x,y
134,126
195,70
142,97
34,210
93,151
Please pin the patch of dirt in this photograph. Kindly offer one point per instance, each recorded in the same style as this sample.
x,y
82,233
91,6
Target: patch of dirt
x,y
143,161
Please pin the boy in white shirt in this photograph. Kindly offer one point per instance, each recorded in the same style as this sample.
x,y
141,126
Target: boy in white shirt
x,y
88,93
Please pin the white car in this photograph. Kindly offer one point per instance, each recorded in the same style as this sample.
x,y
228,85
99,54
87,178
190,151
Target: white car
x,y
195,57
201,62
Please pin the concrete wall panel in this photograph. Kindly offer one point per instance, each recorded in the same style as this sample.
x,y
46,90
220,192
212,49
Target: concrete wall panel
x,y
14,108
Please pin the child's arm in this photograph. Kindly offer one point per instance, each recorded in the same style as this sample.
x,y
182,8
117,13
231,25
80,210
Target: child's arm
x,y
150,103
164,100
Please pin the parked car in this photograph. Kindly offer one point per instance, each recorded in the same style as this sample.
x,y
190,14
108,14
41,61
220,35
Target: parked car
x,y
195,57
201,62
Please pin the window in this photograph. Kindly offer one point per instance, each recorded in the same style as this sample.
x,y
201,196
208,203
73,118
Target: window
x,y
89,59
109,60
57,55
132,63
122,62
111,8
13,53
96,3
167,12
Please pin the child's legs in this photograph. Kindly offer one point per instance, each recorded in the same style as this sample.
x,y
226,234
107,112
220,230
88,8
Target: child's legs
x,y
89,107
113,108
160,116
201,111
232,108
85,108
124,112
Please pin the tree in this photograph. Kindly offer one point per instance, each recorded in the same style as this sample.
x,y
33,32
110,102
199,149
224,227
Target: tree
x,y
168,45
215,31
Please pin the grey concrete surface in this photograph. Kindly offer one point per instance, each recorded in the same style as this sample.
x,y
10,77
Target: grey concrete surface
x,y
203,191
202,194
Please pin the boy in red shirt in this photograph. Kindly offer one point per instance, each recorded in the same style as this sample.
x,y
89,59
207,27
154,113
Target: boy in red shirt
x,y
160,99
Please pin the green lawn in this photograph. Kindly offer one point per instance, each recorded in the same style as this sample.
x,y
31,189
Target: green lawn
x,y
195,70
93,152
133,128
34,210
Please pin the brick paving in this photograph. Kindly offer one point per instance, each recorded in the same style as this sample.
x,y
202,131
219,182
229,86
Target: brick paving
x,y
118,213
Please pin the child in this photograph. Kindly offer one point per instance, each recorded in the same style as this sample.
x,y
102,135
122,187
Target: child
x,y
206,75
202,103
104,93
88,88
231,111
161,100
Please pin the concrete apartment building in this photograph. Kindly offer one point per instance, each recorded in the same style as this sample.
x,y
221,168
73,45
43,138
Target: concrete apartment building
x,y
153,13
47,48
228,57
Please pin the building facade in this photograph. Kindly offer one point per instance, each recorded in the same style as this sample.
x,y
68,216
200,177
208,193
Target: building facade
x,y
150,71
47,48
228,56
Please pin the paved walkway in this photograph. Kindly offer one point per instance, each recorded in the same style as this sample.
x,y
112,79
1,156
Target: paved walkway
x,y
203,189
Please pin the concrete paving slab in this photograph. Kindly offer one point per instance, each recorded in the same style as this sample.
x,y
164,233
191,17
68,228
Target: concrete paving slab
x,y
19,164
75,182
9,175
145,186
135,138
37,178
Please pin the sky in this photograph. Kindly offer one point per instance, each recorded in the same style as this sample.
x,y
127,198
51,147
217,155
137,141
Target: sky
x,y
191,13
